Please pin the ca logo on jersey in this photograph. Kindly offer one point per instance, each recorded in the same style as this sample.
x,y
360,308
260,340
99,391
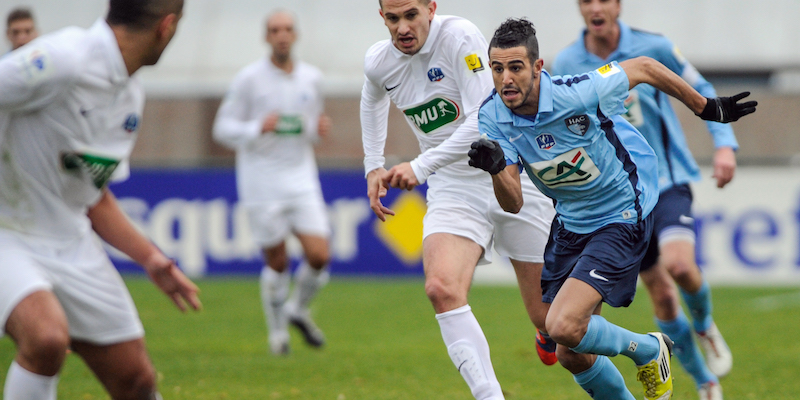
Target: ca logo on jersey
x,y
433,114
578,124
98,168
572,168
474,63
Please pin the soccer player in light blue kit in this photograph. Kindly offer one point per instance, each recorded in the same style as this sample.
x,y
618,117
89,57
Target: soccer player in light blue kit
x,y
648,109
567,134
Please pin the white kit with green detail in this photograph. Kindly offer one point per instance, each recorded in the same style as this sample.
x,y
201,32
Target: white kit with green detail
x,y
439,90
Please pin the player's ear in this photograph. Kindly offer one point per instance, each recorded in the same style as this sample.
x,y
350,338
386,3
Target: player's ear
x,y
537,67
431,9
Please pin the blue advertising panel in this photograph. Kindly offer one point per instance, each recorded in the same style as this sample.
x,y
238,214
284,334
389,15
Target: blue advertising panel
x,y
194,217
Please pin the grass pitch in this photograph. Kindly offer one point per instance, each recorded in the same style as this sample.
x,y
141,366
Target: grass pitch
x,y
383,343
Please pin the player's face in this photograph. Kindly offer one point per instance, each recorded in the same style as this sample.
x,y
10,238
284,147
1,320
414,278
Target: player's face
x,y
281,34
20,32
600,16
516,79
409,22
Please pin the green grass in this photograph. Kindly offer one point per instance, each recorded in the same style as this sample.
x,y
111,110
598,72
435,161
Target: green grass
x,y
383,343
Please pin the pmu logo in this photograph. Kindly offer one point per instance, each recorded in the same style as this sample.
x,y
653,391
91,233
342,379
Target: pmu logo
x,y
578,125
545,141
131,123
435,74
433,114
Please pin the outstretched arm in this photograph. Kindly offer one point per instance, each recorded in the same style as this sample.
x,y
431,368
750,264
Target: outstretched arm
x,y
113,226
719,109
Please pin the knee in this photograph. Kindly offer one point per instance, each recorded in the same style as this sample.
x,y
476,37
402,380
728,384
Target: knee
x,y
565,331
443,295
44,349
318,259
683,271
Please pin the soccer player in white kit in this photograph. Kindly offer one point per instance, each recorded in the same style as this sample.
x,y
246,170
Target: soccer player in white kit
x,y
272,116
69,116
434,70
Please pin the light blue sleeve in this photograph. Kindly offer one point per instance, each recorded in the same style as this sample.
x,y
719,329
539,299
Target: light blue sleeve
x,y
611,85
671,57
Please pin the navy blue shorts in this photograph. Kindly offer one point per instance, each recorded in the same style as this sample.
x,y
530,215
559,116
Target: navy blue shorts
x,y
607,259
671,216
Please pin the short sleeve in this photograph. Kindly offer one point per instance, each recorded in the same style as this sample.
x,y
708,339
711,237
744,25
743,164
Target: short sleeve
x,y
612,85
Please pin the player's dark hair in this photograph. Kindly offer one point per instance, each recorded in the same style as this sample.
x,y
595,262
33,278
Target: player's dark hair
x,y
514,33
18,14
425,2
141,14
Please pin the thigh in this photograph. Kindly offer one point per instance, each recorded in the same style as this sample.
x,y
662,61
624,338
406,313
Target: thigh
x,y
529,277
450,260
523,236
672,222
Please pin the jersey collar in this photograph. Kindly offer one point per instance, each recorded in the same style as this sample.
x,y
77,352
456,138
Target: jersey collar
x,y
436,26
623,47
112,54
505,115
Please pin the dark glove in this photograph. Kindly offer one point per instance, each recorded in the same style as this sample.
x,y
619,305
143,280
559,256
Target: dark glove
x,y
487,155
727,109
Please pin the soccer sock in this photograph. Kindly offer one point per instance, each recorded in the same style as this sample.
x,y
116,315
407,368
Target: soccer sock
x,y
22,384
700,307
686,349
274,291
308,281
469,350
605,338
603,381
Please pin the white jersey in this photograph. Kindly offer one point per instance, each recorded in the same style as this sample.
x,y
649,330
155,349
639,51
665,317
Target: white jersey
x,y
439,89
69,117
277,165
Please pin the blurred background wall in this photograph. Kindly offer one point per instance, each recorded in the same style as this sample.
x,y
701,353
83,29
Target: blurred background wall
x,y
737,44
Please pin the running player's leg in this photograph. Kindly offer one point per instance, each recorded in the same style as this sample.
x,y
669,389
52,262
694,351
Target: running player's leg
x,y
522,237
449,261
274,284
124,368
270,227
38,327
310,277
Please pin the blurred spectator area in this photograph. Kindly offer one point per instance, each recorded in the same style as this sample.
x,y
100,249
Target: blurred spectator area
x,y
177,131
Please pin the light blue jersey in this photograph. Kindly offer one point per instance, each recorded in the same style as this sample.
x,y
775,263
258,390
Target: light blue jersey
x,y
649,109
576,150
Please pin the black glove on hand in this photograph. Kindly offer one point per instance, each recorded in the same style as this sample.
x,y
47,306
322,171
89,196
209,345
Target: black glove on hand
x,y
487,155
727,109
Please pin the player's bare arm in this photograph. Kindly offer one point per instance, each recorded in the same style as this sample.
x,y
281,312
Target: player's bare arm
x,y
376,190
724,165
720,109
324,126
113,226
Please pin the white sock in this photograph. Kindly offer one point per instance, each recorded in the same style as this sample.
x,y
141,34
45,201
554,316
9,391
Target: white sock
x,y
469,350
308,281
22,384
274,291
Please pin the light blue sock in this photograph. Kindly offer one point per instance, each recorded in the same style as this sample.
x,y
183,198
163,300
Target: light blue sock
x,y
700,307
603,381
605,338
686,349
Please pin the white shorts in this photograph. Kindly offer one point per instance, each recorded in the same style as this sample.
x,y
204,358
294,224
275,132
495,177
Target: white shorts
x,y
96,301
469,208
273,221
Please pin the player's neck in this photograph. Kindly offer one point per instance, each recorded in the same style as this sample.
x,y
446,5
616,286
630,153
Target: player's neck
x,y
283,63
603,46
